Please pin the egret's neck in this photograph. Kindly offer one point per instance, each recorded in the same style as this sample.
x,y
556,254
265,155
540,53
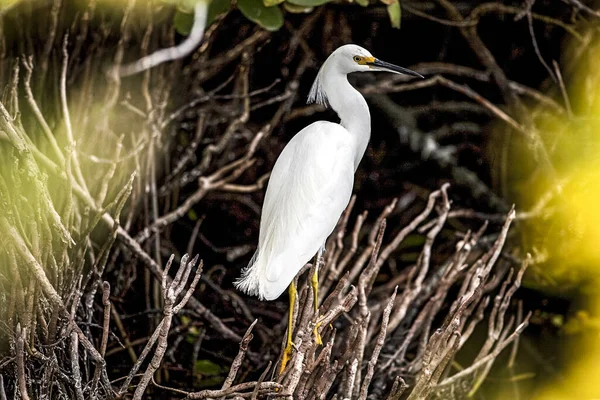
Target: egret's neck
x,y
353,111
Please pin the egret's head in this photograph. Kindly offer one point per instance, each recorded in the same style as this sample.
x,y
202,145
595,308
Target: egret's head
x,y
345,60
352,58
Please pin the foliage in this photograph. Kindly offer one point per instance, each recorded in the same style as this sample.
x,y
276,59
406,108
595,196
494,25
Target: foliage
x,y
266,13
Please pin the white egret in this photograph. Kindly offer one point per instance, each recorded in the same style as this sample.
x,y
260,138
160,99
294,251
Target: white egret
x,y
311,182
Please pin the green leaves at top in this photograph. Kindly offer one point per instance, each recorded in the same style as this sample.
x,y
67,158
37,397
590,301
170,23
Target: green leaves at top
x,y
294,9
265,13
270,18
216,8
395,13
309,3
183,20
271,3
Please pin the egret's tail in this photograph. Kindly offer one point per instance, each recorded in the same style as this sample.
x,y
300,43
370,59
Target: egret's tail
x,y
249,282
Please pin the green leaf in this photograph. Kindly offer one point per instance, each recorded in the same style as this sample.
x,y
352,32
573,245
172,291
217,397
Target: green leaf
x,y
192,335
414,240
309,3
207,368
270,18
395,13
294,9
192,215
183,22
363,3
216,8
271,3
184,15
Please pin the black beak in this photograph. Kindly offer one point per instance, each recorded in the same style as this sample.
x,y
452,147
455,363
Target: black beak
x,y
394,68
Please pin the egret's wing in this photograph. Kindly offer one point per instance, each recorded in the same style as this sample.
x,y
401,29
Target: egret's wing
x,y
310,186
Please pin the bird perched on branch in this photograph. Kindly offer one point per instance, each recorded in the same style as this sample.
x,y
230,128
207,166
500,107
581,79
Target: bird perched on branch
x,y
311,182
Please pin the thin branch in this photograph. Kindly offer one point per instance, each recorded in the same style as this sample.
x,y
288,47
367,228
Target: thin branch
x,y
239,358
20,353
75,366
267,388
378,345
173,53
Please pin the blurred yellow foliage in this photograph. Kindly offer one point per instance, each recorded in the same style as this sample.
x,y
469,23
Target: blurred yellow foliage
x,y
570,238
582,377
8,3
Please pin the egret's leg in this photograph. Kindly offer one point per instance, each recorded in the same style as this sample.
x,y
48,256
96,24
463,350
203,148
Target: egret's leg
x,y
315,285
287,353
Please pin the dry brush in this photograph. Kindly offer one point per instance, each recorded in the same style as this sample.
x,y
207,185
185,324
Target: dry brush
x,y
95,184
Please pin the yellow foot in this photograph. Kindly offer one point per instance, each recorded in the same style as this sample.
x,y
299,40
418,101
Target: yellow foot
x,y
287,355
317,335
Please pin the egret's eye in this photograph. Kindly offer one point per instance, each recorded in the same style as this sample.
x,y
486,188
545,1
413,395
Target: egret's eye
x,y
357,58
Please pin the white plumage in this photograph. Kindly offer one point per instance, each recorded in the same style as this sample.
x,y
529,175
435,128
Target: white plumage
x,y
311,182
309,188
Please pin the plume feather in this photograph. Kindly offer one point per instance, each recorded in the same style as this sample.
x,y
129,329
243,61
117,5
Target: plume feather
x,y
317,93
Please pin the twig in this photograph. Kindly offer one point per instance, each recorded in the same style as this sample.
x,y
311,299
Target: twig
x,y
261,379
75,366
378,345
563,89
124,334
105,333
171,291
501,346
67,116
20,353
239,358
28,64
266,387
2,392
398,388
579,5
400,236
173,53
216,63
536,48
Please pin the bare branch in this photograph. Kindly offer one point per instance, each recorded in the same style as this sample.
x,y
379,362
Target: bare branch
x,y
173,53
